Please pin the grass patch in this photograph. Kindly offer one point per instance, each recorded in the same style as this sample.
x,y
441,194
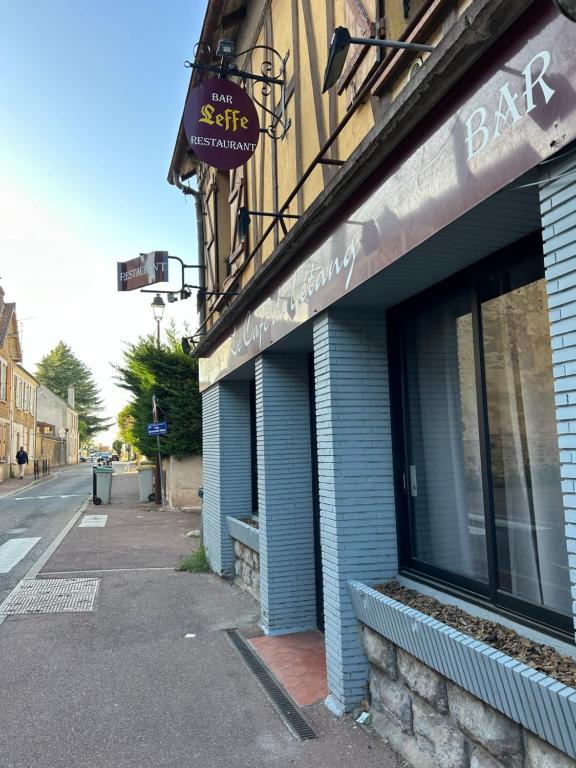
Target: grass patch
x,y
197,562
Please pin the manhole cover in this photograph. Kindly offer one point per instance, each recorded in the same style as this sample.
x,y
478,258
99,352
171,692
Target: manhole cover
x,y
51,596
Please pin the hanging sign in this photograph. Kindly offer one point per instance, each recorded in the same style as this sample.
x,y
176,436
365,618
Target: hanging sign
x,y
146,269
221,124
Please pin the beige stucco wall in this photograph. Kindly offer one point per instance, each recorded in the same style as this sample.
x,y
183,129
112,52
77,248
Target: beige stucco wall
x,y
183,478
53,410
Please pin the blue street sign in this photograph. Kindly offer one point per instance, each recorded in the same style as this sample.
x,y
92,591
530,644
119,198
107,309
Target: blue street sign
x,y
158,428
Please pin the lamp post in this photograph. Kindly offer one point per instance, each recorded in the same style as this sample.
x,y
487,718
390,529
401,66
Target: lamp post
x,y
158,310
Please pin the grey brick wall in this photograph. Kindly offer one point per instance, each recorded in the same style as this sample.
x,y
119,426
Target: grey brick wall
x,y
285,504
356,489
558,207
226,468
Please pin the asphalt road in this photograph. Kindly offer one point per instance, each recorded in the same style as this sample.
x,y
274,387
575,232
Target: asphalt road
x,y
31,520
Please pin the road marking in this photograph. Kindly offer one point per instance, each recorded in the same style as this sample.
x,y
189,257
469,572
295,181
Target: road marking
x,y
57,496
13,551
93,521
107,570
14,531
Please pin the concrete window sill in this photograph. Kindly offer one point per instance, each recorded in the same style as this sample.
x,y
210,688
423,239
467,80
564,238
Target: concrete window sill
x,y
244,533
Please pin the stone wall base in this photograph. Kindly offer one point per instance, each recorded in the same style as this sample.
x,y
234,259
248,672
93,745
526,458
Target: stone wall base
x,y
247,569
432,722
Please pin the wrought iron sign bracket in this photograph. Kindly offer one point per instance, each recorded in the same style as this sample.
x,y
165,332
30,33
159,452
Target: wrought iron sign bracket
x,y
182,292
186,291
272,75
229,70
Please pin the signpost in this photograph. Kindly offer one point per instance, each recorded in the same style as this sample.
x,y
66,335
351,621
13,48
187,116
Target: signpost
x,y
146,269
158,428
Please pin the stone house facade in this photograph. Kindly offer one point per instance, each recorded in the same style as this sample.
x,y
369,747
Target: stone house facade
x,y
25,389
17,395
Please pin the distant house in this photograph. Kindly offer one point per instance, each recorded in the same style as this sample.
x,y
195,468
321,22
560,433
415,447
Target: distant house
x,y
17,394
58,426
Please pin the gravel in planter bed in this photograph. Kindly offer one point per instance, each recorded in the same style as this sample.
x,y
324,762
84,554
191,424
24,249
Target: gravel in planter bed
x,y
250,521
536,655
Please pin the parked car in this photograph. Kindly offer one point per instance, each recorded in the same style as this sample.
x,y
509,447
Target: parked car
x,y
115,457
82,459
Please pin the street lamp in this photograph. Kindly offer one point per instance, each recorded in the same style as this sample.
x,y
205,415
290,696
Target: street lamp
x,y
158,310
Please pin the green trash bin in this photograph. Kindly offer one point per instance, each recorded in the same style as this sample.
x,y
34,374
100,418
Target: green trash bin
x,y
102,485
146,481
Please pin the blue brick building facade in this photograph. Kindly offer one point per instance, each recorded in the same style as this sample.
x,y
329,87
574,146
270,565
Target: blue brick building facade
x,y
558,206
413,377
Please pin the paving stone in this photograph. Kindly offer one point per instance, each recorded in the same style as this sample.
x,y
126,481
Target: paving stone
x,y
436,734
380,652
540,754
495,732
481,759
392,698
424,681
246,574
404,744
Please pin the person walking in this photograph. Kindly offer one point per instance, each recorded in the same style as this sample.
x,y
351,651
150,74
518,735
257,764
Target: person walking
x,y
22,459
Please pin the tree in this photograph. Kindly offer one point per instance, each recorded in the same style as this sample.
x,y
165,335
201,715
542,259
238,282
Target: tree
x,y
117,446
125,422
172,377
60,368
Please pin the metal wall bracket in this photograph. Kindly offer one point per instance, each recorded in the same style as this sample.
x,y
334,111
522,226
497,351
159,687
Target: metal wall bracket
x,y
272,75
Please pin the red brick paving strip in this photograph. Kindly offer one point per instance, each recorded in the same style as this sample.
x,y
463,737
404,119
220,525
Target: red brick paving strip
x,y
298,662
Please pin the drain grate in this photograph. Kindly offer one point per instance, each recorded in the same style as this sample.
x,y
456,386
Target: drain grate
x,y
292,718
51,596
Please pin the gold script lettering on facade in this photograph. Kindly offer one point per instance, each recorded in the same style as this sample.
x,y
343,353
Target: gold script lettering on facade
x,y
229,119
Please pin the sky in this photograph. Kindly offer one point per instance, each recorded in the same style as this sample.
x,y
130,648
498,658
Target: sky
x,y
91,96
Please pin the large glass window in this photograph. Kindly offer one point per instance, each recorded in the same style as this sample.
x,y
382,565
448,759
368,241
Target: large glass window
x,y
444,474
482,501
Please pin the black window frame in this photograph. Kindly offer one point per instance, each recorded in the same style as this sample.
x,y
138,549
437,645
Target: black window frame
x,y
486,595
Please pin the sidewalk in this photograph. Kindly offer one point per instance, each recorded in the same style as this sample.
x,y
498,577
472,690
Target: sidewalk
x,y
14,484
148,678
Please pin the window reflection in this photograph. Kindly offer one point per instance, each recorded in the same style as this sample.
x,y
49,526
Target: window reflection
x,y
444,473
508,349
531,546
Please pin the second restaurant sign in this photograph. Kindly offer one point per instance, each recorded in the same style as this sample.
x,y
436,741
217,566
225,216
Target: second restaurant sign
x,y
221,124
